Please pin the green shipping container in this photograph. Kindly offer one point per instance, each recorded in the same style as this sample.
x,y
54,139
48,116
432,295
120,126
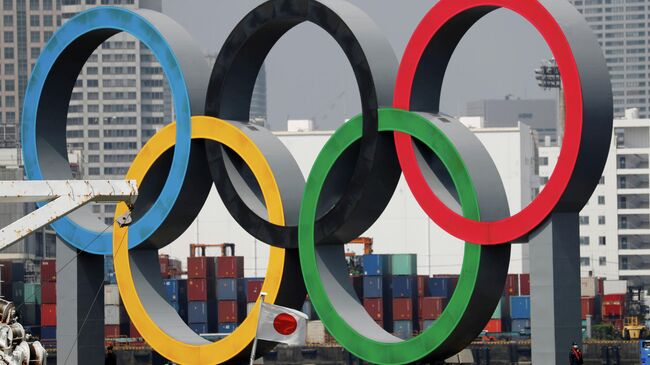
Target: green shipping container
x,y
498,313
404,264
32,293
18,293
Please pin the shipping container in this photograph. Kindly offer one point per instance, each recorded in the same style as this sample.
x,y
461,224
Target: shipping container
x,y
32,292
440,287
115,315
404,287
404,309
48,315
112,331
494,326
227,327
253,289
422,284
520,325
230,311
111,295
376,265
133,332
375,286
404,264
512,285
520,307
403,329
200,328
230,267
357,285
613,306
614,287
48,292
202,267
30,314
202,312
230,289
18,293
432,307
176,290
17,272
379,309
503,309
524,284
589,307
48,270
48,333
426,324
180,308
200,290
589,287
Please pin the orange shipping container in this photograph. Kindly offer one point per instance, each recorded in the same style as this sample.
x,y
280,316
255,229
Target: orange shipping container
x,y
494,326
48,315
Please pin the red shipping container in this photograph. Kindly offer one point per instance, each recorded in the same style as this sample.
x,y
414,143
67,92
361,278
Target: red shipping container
x,y
614,299
375,308
112,331
133,332
612,311
431,307
524,284
230,267
48,292
403,309
200,290
48,270
164,264
253,289
201,267
494,326
512,285
588,306
228,311
48,315
422,285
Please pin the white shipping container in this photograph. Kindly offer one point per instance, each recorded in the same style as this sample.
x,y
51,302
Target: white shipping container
x,y
615,287
316,332
115,315
589,287
111,294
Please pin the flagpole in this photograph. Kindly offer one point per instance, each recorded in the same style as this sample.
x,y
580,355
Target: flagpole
x,y
259,317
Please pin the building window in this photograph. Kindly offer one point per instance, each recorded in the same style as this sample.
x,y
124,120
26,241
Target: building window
x,y
602,261
48,21
9,37
35,52
9,55
601,200
602,241
34,21
584,241
8,5
601,220
35,37
584,220
584,261
543,161
602,180
8,20
93,171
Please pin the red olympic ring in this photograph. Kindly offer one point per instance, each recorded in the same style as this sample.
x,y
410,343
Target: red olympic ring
x,y
522,223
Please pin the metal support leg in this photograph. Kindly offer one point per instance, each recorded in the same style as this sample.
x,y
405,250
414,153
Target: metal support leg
x,y
555,289
76,287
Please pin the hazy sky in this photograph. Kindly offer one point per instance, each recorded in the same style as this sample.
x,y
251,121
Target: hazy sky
x,y
308,75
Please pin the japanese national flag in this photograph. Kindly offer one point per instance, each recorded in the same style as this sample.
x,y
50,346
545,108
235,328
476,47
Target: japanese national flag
x,y
283,325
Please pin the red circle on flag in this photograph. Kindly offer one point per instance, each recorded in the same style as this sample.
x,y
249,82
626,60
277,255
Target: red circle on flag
x,y
285,324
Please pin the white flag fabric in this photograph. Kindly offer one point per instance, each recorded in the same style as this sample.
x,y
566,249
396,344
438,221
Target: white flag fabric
x,y
283,325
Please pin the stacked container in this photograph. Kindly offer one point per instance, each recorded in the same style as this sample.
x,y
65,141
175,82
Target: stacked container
x,y
176,295
436,292
13,285
376,289
201,285
33,297
116,321
520,313
231,303
404,294
253,288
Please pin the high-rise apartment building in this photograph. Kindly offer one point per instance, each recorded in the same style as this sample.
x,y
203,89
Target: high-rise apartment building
x,y
623,30
25,25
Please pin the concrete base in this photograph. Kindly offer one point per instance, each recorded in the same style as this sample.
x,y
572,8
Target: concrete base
x,y
79,277
555,289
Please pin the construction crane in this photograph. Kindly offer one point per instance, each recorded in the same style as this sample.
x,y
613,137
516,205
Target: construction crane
x,y
367,246
227,249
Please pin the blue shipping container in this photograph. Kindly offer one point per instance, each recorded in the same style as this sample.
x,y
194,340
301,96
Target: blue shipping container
x,y
227,327
230,289
176,290
403,329
404,287
520,325
199,327
520,307
375,286
376,265
439,287
202,312
428,323
48,333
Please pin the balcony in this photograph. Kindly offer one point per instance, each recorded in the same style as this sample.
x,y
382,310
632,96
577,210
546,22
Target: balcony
x,y
633,221
633,181
632,137
633,201
634,242
634,264
632,161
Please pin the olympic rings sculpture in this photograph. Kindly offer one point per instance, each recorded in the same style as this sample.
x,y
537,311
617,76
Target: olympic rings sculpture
x,y
306,223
